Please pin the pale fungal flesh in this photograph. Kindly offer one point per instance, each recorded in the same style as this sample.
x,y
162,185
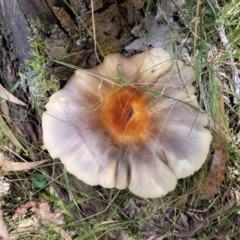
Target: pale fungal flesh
x,y
129,122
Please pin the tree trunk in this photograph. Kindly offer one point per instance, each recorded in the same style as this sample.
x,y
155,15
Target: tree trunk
x,y
67,29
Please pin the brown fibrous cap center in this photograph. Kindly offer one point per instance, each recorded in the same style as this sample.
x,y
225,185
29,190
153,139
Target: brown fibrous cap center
x,y
125,114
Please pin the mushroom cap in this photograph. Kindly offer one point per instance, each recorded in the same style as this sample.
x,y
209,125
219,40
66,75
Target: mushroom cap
x,y
130,121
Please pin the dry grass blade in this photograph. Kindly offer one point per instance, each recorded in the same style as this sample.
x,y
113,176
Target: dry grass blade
x,y
220,157
5,114
4,94
6,165
8,132
3,228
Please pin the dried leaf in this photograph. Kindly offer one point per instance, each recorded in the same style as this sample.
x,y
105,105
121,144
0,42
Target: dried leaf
x,y
162,38
42,209
6,165
21,210
185,221
3,228
220,157
27,225
32,225
5,111
8,96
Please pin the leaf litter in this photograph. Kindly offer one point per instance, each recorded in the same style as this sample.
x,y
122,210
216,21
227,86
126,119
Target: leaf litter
x,y
6,165
42,209
43,216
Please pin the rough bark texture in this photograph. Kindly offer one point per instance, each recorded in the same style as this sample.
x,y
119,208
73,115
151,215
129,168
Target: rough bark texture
x,y
66,29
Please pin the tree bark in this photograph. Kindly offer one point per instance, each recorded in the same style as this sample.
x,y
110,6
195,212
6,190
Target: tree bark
x,y
67,29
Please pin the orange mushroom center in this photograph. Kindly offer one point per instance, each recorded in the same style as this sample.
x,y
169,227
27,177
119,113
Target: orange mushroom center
x,y
125,114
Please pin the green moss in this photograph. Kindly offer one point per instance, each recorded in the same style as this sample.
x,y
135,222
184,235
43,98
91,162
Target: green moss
x,y
36,80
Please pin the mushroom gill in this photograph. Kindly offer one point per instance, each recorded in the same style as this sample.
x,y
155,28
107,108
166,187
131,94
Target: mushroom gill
x,y
129,122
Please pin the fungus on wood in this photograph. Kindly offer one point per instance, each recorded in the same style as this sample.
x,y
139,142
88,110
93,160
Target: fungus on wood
x,y
129,122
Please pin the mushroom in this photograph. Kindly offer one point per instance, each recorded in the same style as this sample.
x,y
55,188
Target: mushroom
x,y
129,122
